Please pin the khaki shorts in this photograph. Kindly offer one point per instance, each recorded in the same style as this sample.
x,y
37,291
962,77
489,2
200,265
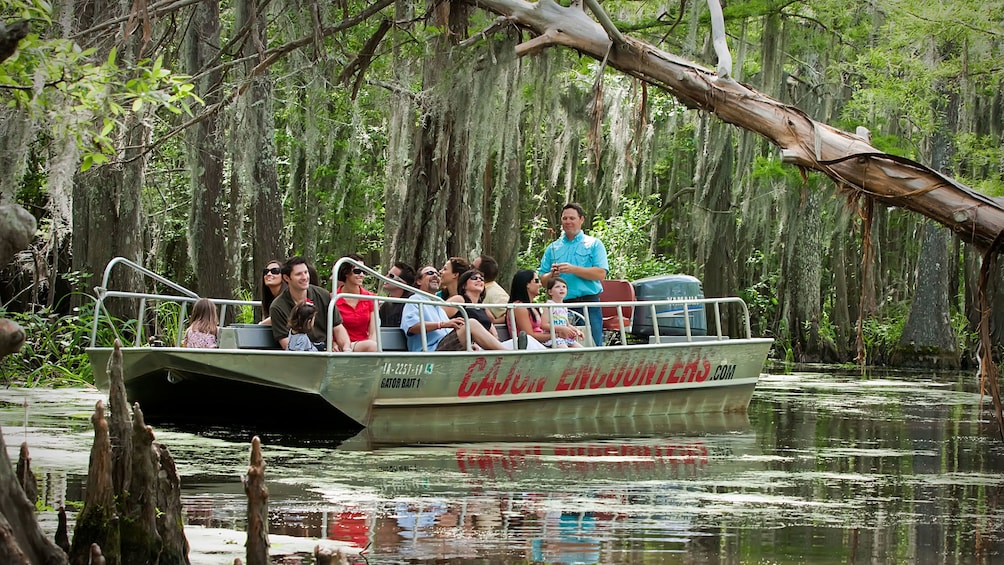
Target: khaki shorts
x,y
451,343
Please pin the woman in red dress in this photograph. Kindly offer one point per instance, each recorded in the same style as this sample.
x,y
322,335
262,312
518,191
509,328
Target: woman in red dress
x,y
357,314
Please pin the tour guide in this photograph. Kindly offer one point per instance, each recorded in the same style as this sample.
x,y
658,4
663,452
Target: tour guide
x,y
581,260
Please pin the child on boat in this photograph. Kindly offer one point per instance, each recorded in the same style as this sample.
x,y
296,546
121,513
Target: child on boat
x,y
301,321
557,316
203,326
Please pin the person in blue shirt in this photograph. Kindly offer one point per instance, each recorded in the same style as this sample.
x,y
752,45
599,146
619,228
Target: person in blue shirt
x,y
581,260
442,333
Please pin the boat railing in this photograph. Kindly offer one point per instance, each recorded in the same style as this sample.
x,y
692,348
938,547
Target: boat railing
x,y
183,299
714,309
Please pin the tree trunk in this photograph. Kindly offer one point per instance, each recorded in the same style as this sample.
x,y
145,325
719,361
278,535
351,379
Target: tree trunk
x,y
21,538
257,493
208,223
847,158
928,340
802,264
255,152
716,241
17,130
433,226
399,135
107,200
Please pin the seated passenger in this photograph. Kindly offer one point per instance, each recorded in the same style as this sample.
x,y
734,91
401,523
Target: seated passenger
x,y
452,269
441,332
203,326
301,321
494,293
470,288
390,312
565,334
358,316
525,288
272,285
296,274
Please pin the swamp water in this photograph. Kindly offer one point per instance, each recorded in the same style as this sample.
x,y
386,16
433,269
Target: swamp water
x,y
826,468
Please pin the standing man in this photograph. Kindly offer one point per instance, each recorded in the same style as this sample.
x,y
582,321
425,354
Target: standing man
x,y
390,312
581,260
494,293
296,273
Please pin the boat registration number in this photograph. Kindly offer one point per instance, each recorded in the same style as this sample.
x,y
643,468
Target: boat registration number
x,y
408,369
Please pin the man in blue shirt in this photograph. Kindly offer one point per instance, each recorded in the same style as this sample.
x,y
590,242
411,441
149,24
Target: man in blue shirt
x,y
441,333
581,260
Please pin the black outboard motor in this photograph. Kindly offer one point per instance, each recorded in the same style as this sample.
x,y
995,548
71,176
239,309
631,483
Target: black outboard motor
x,y
670,318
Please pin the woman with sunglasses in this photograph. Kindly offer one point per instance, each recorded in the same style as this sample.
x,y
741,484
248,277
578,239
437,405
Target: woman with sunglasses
x,y
471,290
272,285
357,314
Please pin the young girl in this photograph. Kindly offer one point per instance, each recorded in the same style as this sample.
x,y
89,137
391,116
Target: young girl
x,y
557,316
301,321
203,326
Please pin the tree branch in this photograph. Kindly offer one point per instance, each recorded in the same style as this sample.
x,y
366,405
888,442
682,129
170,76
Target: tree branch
x,y
608,25
844,157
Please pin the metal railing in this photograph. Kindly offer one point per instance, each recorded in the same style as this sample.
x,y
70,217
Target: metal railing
x,y
656,309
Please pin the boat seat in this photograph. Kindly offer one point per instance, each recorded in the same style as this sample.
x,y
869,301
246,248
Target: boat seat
x,y
503,331
617,291
393,339
247,336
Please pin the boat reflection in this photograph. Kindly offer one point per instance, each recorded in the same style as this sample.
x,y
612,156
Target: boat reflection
x,y
529,429
555,499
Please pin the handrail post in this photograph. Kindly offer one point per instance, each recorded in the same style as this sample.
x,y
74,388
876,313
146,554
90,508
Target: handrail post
x,y
140,321
718,319
686,321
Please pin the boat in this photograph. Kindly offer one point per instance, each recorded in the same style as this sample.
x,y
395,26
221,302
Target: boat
x,y
249,382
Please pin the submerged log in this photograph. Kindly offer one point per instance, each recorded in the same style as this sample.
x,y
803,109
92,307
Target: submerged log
x,y
257,493
21,538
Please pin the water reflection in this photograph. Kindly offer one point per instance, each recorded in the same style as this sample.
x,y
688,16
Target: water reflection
x,y
828,468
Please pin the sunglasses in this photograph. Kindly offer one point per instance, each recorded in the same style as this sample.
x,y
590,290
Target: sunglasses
x,y
357,271
476,278
535,280
430,273
394,277
272,271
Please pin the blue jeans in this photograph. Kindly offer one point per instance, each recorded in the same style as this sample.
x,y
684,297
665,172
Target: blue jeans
x,y
595,316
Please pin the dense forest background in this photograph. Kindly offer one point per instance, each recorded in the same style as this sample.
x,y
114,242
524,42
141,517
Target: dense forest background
x,y
201,139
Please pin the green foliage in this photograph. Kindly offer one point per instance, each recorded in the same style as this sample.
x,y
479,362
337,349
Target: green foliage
x,y
54,350
882,333
761,296
63,86
627,241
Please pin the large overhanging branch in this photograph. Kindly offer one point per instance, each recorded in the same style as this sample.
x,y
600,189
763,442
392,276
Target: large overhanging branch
x,y
848,159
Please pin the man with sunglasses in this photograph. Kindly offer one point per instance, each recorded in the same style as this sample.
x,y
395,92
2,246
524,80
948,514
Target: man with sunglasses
x,y
390,312
441,332
296,274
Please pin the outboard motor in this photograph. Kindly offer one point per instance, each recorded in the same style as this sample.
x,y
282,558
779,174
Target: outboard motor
x,y
670,317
